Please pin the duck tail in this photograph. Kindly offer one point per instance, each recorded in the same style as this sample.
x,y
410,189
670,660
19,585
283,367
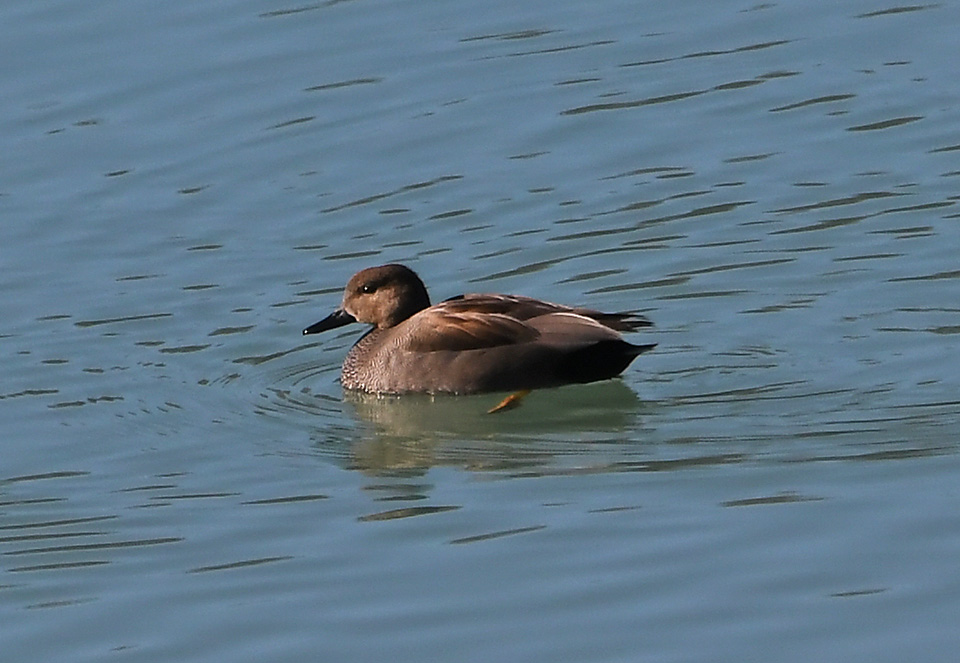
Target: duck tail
x,y
601,360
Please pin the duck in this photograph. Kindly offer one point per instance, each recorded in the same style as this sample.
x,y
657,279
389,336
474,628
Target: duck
x,y
473,343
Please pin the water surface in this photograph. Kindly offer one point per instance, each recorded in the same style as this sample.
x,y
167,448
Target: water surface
x,y
184,188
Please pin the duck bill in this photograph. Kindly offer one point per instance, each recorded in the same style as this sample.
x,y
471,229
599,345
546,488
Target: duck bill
x,y
338,318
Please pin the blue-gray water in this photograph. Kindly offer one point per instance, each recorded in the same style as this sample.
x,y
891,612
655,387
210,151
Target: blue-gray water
x,y
185,186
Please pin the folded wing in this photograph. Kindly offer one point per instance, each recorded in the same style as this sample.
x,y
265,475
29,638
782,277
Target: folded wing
x,y
473,322
525,308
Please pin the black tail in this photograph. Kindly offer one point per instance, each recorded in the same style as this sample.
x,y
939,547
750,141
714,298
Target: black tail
x,y
600,361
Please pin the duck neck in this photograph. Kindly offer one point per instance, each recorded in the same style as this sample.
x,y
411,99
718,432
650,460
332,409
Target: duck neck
x,y
411,305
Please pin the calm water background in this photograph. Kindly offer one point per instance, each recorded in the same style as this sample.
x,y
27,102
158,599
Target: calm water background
x,y
184,186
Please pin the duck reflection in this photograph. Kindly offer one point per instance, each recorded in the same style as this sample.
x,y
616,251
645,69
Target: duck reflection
x,y
412,433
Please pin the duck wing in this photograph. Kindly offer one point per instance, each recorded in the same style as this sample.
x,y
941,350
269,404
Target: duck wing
x,y
525,308
474,322
438,328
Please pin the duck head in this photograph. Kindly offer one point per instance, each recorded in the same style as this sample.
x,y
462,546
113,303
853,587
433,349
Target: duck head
x,y
382,296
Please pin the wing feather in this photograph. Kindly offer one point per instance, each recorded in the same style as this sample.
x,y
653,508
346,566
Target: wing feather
x,y
437,329
525,308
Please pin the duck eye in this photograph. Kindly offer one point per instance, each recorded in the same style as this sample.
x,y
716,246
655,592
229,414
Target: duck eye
x,y
367,288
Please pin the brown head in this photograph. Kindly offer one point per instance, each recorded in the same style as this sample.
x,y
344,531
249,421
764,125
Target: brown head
x,y
382,296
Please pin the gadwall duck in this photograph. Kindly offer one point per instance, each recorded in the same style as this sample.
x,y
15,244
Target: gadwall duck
x,y
472,343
